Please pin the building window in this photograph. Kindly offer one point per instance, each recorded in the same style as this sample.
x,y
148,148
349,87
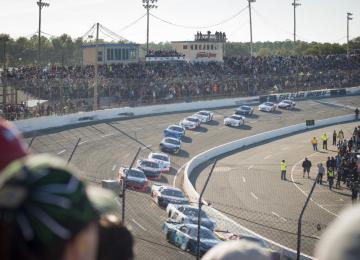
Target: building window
x,y
117,54
212,46
200,47
112,54
132,54
195,46
191,47
184,47
207,47
108,54
100,56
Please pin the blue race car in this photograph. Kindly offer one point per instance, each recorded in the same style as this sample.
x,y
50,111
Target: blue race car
x,y
174,131
171,145
185,237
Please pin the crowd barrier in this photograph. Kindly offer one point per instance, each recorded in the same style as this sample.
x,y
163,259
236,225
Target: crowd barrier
x,y
215,152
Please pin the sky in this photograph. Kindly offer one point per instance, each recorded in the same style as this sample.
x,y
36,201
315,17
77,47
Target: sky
x,y
317,20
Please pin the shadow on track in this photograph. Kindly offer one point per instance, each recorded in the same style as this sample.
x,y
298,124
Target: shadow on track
x,y
186,139
245,127
201,129
213,123
182,153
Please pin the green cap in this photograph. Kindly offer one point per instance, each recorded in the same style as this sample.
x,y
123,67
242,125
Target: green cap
x,y
42,197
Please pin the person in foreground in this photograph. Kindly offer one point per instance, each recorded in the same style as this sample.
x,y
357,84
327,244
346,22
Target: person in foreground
x,y
238,250
46,212
341,240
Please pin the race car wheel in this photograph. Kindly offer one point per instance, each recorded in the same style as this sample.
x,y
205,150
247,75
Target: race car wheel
x,y
184,246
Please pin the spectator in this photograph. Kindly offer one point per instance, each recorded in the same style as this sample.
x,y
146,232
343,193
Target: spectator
x,y
46,212
341,240
238,250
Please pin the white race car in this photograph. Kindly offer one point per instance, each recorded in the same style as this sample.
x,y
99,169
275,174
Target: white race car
x,y
234,120
190,122
204,116
162,159
188,214
287,104
267,107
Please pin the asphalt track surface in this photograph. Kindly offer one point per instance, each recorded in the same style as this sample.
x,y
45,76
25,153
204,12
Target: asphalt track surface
x,y
102,150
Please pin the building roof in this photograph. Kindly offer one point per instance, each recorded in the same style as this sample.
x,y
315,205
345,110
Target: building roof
x,y
85,46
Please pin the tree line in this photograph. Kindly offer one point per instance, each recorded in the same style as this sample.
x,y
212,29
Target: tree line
x,y
64,50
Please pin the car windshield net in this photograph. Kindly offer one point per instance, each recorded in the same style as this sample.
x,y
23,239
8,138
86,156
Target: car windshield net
x,y
176,128
268,104
204,233
191,212
236,117
245,108
173,193
192,120
134,173
160,157
150,164
172,141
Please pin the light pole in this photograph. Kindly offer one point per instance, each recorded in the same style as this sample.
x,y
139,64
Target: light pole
x,y
295,4
4,39
251,35
148,4
41,5
348,19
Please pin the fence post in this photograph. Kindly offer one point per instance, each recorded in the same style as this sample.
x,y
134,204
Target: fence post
x,y
73,151
124,187
199,213
300,219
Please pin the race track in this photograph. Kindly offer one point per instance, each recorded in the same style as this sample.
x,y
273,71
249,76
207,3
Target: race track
x,y
102,150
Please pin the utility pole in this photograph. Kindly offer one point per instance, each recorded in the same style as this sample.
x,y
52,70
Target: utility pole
x,y
41,5
295,4
4,39
348,19
148,4
251,35
95,105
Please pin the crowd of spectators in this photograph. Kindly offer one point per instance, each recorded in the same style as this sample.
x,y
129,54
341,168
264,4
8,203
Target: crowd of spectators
x,y
348,162
141,83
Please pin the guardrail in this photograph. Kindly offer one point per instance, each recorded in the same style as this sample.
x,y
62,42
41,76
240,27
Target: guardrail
x,y
47,122
242,143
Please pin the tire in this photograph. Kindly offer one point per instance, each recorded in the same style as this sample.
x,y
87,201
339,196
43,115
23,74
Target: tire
x,y
184,247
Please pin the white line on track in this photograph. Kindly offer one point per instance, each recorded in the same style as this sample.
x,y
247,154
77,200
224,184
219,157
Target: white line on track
x,y
83,142
107,135
244,180
139,225
254,196
117,201
274,213
196,133
250,167
114,167
303,192
61,152
267,157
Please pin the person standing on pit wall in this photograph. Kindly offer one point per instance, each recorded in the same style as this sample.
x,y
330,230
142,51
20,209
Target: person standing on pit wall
x,y
283,170
341,136
321,172
334,138
356,113
314,143
325,138
306,167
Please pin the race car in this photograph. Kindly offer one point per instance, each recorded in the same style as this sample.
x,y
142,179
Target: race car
x,y
171,145
162,159
226,236
185,237
267,107
189,214
234,120
174,131
287,104
135,179
190,122
151,168
163,195
244,110
204,116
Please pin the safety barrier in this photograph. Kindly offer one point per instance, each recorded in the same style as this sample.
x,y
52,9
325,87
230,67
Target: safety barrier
x,y
242,143
47,122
